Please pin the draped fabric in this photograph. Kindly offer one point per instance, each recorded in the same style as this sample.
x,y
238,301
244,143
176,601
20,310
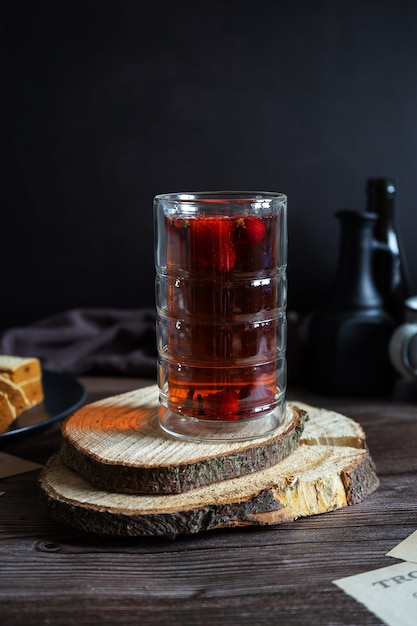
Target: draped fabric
x,y
89,341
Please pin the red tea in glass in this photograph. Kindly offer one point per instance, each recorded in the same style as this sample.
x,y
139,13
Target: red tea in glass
x,y
221,302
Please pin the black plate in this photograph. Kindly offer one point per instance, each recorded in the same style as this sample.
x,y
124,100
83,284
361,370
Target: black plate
x,y
62,395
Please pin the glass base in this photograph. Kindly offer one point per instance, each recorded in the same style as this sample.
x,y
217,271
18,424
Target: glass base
x,y
194,429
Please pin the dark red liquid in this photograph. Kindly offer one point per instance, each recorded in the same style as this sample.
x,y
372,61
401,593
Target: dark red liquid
x,y
221,325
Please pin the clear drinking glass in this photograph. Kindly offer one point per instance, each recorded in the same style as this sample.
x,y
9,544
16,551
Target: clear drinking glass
x,y
221,292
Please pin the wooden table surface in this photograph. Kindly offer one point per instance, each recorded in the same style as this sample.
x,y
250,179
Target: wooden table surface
x,y
52,574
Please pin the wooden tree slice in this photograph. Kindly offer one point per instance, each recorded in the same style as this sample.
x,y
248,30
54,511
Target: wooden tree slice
x,y
116,444
314,479
325,427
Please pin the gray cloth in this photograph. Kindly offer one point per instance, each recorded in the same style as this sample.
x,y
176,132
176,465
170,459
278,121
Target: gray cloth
x,y
89,341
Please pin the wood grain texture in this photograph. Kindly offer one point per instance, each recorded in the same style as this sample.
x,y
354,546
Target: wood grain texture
x,y
116,444
322,474
312,480
52,573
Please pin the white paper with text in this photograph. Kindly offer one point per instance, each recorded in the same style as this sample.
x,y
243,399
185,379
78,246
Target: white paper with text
x,y
390,592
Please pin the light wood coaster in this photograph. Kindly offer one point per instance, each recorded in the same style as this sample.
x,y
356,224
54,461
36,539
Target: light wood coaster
x,y
116,444
329,468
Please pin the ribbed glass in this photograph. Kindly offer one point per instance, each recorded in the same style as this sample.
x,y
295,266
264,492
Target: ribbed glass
x,y
221,295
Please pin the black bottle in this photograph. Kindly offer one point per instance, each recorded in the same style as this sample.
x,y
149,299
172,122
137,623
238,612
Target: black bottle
x,y
389,265
348,338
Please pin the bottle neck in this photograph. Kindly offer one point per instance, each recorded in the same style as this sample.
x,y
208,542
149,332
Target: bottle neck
x,y
381,199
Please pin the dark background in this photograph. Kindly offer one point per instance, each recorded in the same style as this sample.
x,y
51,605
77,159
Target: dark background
x,y
105,104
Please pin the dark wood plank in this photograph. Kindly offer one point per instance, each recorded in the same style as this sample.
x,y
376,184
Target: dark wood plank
x,y
50,573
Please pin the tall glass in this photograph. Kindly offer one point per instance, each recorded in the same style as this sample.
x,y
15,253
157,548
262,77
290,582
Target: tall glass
x,y
221,260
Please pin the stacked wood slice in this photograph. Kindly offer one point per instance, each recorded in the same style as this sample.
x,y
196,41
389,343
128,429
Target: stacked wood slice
x,y
118,474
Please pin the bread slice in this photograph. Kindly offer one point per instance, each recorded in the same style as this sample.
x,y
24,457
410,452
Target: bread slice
x,y
7,412
14,393
33,391
19,369
26,374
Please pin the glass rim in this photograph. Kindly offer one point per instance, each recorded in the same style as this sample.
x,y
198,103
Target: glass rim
x,y
220,197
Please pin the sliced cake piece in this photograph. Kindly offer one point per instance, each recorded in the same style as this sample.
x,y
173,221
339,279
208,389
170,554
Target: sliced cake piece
x,y
7,412
19,369
26,373
33,390
15,394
